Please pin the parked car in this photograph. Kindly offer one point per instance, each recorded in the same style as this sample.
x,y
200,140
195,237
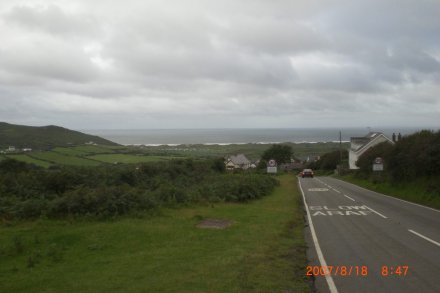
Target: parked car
x,y
307,173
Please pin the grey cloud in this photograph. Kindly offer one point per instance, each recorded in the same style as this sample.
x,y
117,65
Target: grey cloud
x,y
51,19
193,63
48,60
274,36
159,63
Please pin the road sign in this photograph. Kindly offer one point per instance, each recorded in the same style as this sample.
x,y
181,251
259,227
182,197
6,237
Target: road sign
x,y
378,164
272,166
377,167
272,170
378,160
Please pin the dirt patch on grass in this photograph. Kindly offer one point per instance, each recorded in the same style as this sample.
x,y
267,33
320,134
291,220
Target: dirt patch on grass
x,y
214,224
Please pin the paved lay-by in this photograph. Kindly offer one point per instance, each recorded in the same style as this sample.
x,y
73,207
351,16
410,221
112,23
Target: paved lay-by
x,y
362,241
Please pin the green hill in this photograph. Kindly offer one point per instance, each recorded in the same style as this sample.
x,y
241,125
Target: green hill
x,y
44,137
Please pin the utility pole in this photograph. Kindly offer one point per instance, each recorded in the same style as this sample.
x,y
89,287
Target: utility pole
x,y
340,147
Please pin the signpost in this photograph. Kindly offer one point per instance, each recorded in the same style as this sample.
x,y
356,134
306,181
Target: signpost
x,y
378,164
377,169
272,166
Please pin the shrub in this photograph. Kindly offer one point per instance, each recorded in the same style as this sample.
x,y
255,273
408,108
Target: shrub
x,y
108,191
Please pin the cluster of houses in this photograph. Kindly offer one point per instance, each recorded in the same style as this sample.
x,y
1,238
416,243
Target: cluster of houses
x,y
241,162
13,149
358,146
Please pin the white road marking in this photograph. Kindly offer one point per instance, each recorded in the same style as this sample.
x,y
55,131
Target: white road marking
x,y
385,217
328,277
336,190
318,189
340,210
341,213
424,237
348,197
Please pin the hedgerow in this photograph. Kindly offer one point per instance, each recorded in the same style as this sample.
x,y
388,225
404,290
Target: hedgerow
x,y
107,191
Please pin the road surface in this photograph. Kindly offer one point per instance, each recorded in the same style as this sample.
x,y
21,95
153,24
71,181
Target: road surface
x,y
371,242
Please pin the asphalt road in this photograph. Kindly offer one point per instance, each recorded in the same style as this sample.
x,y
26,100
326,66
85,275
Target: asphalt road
x,y
356,232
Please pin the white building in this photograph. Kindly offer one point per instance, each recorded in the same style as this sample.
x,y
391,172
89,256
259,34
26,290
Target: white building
x,y
360,145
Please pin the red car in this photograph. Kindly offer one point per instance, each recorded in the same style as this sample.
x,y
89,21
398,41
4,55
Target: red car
x,y
307,173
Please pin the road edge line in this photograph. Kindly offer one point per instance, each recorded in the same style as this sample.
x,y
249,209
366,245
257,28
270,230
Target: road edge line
x,y
424,237
413,203
328,277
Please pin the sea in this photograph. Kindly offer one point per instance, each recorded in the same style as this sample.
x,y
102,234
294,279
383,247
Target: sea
x,y
156,137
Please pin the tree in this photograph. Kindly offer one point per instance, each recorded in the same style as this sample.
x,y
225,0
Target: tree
x,y
382,150
329,161
415,156
280,153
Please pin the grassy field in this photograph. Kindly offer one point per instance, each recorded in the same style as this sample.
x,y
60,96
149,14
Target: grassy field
x,y
415,191
72,151
94,149
127,159
263,251
251,150
30,160
93,155
57,158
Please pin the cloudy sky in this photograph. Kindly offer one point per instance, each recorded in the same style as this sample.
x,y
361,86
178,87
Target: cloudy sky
x,y
220,64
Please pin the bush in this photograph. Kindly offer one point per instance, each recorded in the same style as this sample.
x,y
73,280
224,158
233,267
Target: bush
x,y
416,155
329,161
104,202
108,191
279,152
383,150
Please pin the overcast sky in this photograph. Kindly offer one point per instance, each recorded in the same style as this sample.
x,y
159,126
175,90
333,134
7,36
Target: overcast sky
x,y
97,64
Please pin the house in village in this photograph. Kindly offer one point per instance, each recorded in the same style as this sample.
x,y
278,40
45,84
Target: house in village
x,y
359,145
237,162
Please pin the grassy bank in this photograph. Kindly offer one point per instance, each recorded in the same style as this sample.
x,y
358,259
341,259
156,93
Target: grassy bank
x,y
415,191
263,251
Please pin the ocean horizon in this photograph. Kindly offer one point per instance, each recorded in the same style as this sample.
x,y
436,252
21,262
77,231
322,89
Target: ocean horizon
x,y
219,136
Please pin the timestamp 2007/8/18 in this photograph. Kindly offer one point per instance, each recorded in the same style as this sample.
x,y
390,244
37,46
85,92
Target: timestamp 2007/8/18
x,y
360,271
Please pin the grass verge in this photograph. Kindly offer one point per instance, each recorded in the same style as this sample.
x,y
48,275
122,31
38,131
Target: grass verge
x,y
263,251
415,191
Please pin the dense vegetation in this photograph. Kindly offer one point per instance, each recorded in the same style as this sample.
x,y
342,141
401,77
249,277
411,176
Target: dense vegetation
x,y
281,153
414,156
44,137
330,161
27,191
